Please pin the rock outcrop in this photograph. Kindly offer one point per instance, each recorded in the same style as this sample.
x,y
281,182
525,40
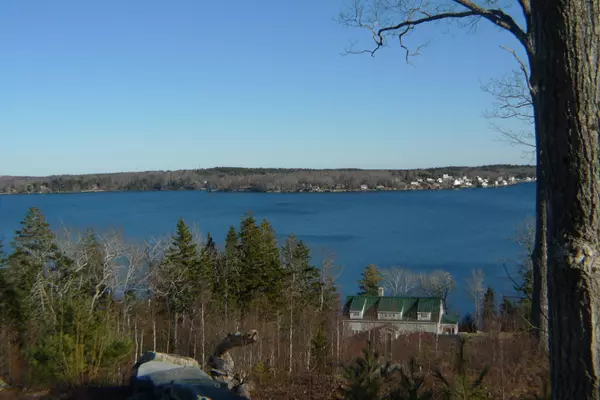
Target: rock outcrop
x,y
161,376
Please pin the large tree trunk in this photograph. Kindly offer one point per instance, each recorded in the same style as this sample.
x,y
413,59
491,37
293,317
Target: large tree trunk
x,y
566,78
539,257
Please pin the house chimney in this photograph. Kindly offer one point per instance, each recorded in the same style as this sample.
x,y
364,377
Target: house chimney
x,y
380,291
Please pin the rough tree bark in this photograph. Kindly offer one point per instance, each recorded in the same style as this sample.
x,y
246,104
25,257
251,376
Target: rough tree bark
x,y
539,259
566,78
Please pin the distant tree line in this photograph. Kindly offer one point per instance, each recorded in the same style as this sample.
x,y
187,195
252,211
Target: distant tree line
x,y
253,179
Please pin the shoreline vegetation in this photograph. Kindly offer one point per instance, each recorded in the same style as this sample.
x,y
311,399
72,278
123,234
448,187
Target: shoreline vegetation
x,y
275,180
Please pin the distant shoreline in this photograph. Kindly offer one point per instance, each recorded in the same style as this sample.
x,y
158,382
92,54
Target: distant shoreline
x,y
273,180
408,189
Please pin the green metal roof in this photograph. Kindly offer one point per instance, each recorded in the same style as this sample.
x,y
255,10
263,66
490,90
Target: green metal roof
x,y
409,306
395,304
356,303
431,305
371,302
449,319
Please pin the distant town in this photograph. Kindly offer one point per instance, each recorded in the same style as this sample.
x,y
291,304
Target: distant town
x,y
444,182
272,180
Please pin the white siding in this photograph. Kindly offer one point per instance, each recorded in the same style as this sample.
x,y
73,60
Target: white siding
x,y
401,327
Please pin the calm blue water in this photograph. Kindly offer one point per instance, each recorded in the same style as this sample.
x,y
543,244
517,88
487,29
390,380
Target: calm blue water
x,y
455,230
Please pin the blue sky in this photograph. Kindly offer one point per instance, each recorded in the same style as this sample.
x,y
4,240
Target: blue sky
x,y
113,85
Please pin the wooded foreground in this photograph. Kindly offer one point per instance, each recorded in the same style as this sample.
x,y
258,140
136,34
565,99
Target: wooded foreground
x,y
77,310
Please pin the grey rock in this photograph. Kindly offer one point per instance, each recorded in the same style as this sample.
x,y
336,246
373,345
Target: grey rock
x,y
160,376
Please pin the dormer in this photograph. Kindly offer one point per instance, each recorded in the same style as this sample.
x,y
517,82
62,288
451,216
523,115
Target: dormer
x,y
357,308
423,316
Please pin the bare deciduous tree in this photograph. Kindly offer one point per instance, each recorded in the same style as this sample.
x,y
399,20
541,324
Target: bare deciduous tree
x,y
400,281
437,283
475,291
561,39
512,100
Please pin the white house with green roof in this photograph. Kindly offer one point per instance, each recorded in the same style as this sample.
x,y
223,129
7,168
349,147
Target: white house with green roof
x,y
401,315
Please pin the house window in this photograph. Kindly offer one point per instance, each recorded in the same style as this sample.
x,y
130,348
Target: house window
x,y
355,315
424,316
389,315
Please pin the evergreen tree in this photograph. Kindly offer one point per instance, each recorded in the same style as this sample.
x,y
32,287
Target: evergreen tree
x,y
232,267
489,308
6,293
210,245
183,272
320,349
2,255
35,253
461,385
271,271
296,266
364,377
371,280
260,265
250,259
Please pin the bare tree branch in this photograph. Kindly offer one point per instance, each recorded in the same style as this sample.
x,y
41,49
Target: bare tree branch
x,y
377,19
498,17
400,281
522,138
526,7
524,69
513,100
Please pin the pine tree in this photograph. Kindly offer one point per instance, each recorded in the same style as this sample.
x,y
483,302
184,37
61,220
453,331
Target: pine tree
x,y
251,268
295,257
35,253
363,377
183,271
271,271
489,309
210,245
232,267
320,349
2,255
371,279
5,289
461,386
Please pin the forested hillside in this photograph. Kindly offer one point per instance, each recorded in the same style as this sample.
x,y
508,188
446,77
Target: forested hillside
x,y
257,179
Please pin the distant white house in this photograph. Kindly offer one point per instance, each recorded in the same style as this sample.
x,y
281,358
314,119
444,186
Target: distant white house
x,y
400,315
364,187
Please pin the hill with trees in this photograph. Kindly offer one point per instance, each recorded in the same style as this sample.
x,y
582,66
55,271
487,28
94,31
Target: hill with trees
x,y
263,179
